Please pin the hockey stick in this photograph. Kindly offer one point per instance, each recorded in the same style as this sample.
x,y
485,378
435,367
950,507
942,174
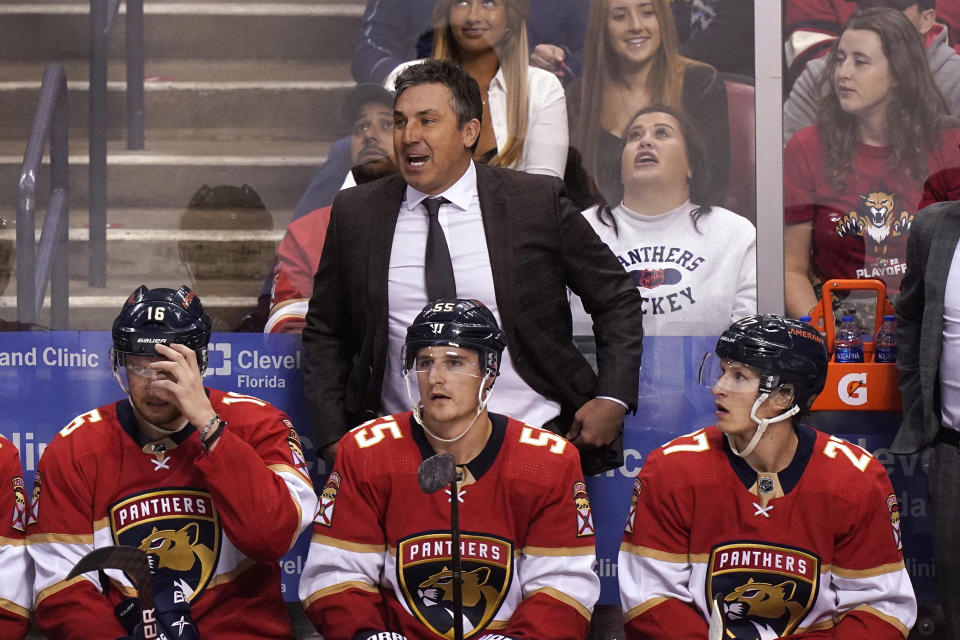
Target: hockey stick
x,y
435,473
134,563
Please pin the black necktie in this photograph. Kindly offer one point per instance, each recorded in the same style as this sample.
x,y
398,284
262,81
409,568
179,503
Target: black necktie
x,y
437,267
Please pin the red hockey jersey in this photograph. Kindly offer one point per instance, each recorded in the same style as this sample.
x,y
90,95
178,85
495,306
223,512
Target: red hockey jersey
x,y
380,555
14,565
218,521
297,258
861,231
813,550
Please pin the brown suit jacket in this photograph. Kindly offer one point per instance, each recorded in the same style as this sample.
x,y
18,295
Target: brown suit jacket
x,y
539,244
933,239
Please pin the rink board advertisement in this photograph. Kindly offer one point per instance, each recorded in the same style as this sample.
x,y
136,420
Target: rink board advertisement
x,y
46,379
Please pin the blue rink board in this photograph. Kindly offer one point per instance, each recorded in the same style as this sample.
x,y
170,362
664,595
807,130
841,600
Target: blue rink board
x,y
46,379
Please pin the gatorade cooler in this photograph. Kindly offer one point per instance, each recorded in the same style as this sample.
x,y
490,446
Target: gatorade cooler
x,y
866,386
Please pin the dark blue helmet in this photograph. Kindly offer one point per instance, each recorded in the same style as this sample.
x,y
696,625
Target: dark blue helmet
x,y
162,316
460,323
782,349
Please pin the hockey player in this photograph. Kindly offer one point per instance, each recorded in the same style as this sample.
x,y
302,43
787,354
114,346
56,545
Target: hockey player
x,y
784,530
15,571
211,485
380,561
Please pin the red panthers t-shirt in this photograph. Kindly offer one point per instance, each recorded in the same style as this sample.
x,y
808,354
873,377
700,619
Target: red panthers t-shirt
x,y
861,231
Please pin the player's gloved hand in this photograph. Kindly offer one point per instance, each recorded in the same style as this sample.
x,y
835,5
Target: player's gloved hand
x,y
172,613
378,635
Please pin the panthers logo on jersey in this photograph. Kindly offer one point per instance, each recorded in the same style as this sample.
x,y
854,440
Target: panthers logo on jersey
x,y
19,505
424,572
875,219
763,590
178,529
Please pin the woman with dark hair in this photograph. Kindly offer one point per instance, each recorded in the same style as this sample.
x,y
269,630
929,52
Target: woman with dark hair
x,y
632,60
693,262
853,181
524,125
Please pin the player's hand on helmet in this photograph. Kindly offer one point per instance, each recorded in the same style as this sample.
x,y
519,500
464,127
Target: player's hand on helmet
x,y
597,423
183,384
378,635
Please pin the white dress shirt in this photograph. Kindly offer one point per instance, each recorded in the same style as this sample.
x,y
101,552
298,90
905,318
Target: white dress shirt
x,y
950,347
545,149
463,227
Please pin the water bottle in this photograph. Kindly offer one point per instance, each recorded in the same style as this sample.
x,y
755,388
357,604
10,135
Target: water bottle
x,y
848,345
885,344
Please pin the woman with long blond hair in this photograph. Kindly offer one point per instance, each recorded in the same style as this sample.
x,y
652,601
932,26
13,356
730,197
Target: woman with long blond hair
x,y
632,60
524,123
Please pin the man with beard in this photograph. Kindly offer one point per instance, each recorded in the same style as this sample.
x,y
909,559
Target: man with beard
x,y
369,110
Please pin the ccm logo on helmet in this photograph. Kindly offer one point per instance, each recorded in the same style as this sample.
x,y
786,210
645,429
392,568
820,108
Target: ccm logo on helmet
x,y
852,389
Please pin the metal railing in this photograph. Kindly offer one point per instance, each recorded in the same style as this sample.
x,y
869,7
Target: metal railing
x,y
102,16
48,262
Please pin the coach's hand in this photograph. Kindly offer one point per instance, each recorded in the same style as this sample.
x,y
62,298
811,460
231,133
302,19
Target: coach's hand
x,y
183,384
598,422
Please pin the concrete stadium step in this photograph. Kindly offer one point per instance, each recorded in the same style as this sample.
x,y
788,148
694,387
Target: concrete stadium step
x,y
202,255
236,99
94,309
284,30
167,173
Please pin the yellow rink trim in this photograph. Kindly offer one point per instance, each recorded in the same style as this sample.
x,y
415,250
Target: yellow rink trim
x,y
60,538
557,551
894,622
656,554
347,546
565,599
642,608
56,588
13,607
868,573
337,588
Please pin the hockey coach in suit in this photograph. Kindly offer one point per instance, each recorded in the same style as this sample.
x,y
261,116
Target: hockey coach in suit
x,y
510,239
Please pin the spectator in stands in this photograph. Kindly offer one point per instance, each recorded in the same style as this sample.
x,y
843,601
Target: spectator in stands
x,y
369,110
810,26
524,124
800,110
693,262
233,267
632,61
853,182
396,31
718,32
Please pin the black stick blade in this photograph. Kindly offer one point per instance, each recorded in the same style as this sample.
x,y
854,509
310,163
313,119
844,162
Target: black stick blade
x,y
130,560
437,472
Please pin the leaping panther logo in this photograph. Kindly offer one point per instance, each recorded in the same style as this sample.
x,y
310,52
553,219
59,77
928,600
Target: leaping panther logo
x,y
477,595
876,220
425,575
180,551
757,602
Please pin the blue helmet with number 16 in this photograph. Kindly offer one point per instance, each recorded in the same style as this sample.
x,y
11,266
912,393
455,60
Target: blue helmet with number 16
x,y
161,316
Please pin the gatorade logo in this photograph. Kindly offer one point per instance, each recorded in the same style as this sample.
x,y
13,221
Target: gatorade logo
x,y
852,389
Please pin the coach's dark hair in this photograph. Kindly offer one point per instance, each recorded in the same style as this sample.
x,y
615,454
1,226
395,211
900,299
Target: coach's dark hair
x,y
467,103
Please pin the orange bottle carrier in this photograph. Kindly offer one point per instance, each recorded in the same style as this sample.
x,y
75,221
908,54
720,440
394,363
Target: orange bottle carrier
x,y
856,386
